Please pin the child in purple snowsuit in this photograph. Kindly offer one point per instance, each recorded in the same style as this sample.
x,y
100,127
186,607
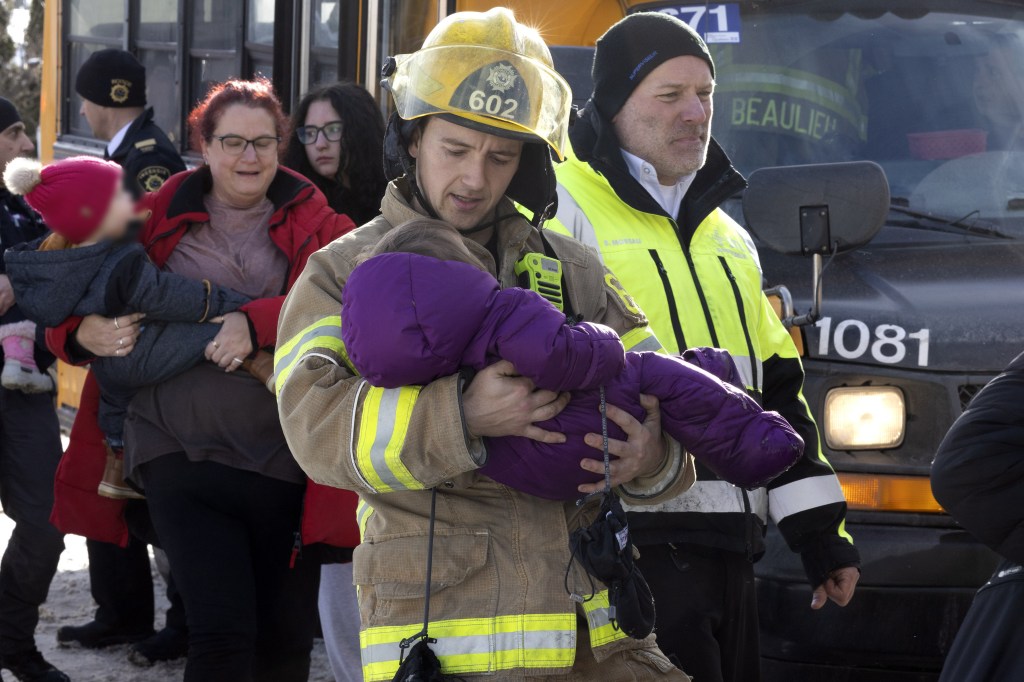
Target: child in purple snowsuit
x,y
422,307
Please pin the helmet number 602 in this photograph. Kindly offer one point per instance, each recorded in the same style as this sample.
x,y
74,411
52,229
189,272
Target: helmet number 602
x,y
495,105
852,339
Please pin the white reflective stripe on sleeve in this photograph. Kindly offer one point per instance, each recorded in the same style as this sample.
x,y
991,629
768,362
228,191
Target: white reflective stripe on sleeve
x,y
710,497
807,493
743,366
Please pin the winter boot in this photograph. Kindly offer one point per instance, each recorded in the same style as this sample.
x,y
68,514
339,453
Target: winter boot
x,y
30,666
20,371
113,485
261,366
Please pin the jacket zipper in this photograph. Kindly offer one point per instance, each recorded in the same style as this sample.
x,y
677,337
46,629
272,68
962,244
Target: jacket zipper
x,y
755,380
696,285
673,309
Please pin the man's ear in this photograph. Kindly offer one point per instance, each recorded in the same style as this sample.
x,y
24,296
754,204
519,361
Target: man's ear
x,y
414,141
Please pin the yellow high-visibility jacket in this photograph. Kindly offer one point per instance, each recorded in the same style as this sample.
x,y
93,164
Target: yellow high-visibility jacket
x,y
698,278
498,599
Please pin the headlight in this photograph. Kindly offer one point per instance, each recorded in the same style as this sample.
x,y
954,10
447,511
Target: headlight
x,y
865,418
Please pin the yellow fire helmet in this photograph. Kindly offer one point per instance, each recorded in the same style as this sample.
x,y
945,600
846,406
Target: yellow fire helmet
x,y
491,71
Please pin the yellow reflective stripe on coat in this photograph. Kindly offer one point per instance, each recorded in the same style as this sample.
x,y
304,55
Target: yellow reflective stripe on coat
x,y
477,645
601,629
363,513
642,340
382,430
323,334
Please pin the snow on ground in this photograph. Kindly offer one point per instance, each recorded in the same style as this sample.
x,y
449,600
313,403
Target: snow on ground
x,y
70,603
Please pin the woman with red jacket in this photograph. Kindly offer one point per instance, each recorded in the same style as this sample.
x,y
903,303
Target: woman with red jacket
x,y
224,493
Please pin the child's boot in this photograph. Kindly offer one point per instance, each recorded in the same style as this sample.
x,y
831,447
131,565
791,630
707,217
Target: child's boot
x,y
113,485
20,371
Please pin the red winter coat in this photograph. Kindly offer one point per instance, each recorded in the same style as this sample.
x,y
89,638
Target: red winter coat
x,y
301,224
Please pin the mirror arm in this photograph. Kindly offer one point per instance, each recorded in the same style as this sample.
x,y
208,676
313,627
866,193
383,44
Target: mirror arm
x,y
814,313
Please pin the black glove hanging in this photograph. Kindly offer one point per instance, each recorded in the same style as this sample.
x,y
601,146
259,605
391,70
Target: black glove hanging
x,y
605,550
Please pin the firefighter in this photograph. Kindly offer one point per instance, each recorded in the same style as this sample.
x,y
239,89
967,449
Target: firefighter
x,y
645,187
112,85
478,111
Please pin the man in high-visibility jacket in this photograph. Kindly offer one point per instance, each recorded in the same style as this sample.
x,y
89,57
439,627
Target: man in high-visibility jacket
x,y
478,111
645,187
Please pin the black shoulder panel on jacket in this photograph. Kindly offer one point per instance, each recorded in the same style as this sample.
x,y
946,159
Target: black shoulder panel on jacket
x,y
978,472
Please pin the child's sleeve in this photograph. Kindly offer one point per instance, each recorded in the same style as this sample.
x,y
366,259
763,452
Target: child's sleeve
x,y
719,424
535,336
138,286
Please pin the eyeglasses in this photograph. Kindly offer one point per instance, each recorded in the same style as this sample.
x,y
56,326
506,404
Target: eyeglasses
x,y
235,145
309,134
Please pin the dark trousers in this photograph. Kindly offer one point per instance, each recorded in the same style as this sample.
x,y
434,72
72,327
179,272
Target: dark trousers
x,y
122,581
228,534
29,452
706,611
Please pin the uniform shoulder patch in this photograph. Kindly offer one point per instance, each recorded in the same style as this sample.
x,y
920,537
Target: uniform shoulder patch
x,y
152,178
146,144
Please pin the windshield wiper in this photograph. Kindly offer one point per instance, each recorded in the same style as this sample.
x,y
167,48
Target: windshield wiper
x,y
935,223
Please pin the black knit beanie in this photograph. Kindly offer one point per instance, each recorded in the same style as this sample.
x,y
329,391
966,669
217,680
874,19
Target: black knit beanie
x,y
634,47
8,114
112,78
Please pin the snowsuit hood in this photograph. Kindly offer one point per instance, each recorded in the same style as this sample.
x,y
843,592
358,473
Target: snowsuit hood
x,y
443,316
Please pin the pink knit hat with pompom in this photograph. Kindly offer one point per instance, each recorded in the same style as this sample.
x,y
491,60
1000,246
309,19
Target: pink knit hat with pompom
x,y
72,195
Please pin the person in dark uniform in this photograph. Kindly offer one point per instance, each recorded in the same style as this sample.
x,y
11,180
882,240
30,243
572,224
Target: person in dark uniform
x,y
978,478
112,84
29,452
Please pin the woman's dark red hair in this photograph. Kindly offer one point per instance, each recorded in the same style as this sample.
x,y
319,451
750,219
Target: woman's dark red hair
x,y
257,93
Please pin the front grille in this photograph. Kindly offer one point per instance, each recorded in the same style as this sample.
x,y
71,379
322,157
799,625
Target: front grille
x,y
967,393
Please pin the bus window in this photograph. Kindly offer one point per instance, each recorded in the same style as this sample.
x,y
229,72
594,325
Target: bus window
x,y
325,19
92,26
214,50
157,35
260,37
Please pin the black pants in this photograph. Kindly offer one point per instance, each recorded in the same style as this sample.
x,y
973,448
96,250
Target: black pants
x,y
706,611
228,534
29,452
122,581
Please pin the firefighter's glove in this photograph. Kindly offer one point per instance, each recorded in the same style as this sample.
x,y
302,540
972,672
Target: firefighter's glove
x,y
604,549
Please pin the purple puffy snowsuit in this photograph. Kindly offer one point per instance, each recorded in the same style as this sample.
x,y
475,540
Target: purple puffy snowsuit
x,y
409,319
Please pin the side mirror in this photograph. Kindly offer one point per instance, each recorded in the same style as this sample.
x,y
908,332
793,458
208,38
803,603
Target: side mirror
x,y
816,211
819,209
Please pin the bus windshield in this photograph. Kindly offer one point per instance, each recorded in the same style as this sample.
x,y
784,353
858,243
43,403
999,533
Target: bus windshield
x,y
935,97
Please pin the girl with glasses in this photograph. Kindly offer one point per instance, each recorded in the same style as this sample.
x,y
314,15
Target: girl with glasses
x,y
338,144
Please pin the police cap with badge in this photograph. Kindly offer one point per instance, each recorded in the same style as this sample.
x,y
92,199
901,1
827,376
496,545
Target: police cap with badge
x,y
112,78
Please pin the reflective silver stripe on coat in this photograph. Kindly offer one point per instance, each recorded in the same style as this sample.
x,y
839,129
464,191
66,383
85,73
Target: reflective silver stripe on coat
x,y
488,644
386,415
649,345
332,330
743,367
711,497
807,493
